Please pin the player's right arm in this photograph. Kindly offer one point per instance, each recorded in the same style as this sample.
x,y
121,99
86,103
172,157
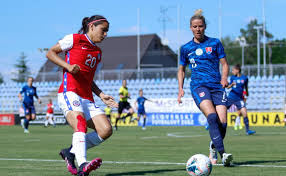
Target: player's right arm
x,y
231,83
63,45
20,94
181,77
181,73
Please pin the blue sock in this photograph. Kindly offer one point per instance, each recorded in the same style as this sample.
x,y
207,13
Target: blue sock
x,y
246,123
144,122
222,127
26,124
215,133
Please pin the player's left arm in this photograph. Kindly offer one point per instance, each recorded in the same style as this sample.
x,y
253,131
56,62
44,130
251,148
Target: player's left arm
x,y
107,99
246,87
36,95
225,69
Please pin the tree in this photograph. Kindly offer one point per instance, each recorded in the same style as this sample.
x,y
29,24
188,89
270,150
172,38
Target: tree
x,y
232,50
250,34
23,70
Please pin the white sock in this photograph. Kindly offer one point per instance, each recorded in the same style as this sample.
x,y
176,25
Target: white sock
x,y
22,122
46,122
79,147
51,121
237,121
93,139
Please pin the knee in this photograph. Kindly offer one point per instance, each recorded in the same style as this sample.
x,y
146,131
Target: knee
x,y
212,118
105,133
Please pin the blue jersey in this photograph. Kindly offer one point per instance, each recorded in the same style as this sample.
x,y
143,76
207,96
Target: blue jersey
x,y
236,92
203,60
29,93
141,102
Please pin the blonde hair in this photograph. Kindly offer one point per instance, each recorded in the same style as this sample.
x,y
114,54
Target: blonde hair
x,y
198,15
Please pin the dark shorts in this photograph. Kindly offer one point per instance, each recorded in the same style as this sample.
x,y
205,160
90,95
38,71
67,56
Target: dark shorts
x,y
238,103
123,105
217,96
108,116
29,109
141,112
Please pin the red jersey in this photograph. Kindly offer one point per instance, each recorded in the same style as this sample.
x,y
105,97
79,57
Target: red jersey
x,y
82,51
50,108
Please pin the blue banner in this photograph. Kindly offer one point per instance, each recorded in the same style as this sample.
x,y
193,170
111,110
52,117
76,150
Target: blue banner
x,y
174,119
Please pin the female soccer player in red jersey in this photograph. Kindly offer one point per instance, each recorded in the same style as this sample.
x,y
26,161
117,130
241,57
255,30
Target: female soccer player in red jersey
x,y
75,93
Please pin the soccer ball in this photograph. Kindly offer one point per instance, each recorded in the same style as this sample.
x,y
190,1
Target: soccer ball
x,y
199,165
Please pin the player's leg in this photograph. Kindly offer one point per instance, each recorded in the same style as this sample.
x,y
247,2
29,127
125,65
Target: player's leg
x,y
203,100
120,109
220,101
71,105
51,120
26,122
78,123
102,131
47,120
130,112
246,121
26,118
144,122
237,120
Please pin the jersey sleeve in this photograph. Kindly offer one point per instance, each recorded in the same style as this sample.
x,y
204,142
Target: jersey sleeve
x,y
120,91
22,90
246,81
36,95
220,50
183,58
67,42
231,80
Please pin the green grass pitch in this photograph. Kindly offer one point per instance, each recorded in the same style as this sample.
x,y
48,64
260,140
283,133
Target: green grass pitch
x,y
258,155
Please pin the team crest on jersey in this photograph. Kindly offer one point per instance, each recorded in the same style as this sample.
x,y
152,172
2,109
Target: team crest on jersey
x,y
209,50
76,103
199,51
202,94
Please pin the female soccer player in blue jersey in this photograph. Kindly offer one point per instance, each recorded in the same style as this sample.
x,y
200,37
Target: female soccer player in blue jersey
x,y
29,92
139,104
238,82
203,55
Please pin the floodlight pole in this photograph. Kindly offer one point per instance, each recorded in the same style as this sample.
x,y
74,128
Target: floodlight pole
x,y
138,40
258,48
179,36
264,38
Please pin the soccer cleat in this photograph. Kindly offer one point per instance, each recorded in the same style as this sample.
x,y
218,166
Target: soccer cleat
x,y
213,154
235,128
143,128
240,127
69,159
226,159
86,168
115,128
26,131
250,132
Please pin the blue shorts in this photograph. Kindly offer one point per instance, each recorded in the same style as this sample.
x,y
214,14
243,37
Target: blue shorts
x,y
141,112
238,103
217,96
29,109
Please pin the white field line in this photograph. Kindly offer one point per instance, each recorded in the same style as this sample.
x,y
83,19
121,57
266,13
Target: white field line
x,y
134,162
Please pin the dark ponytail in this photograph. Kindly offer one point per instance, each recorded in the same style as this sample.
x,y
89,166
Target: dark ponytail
x,y
98,19
238,67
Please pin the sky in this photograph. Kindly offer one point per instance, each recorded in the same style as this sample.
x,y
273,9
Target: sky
x,y
31,24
